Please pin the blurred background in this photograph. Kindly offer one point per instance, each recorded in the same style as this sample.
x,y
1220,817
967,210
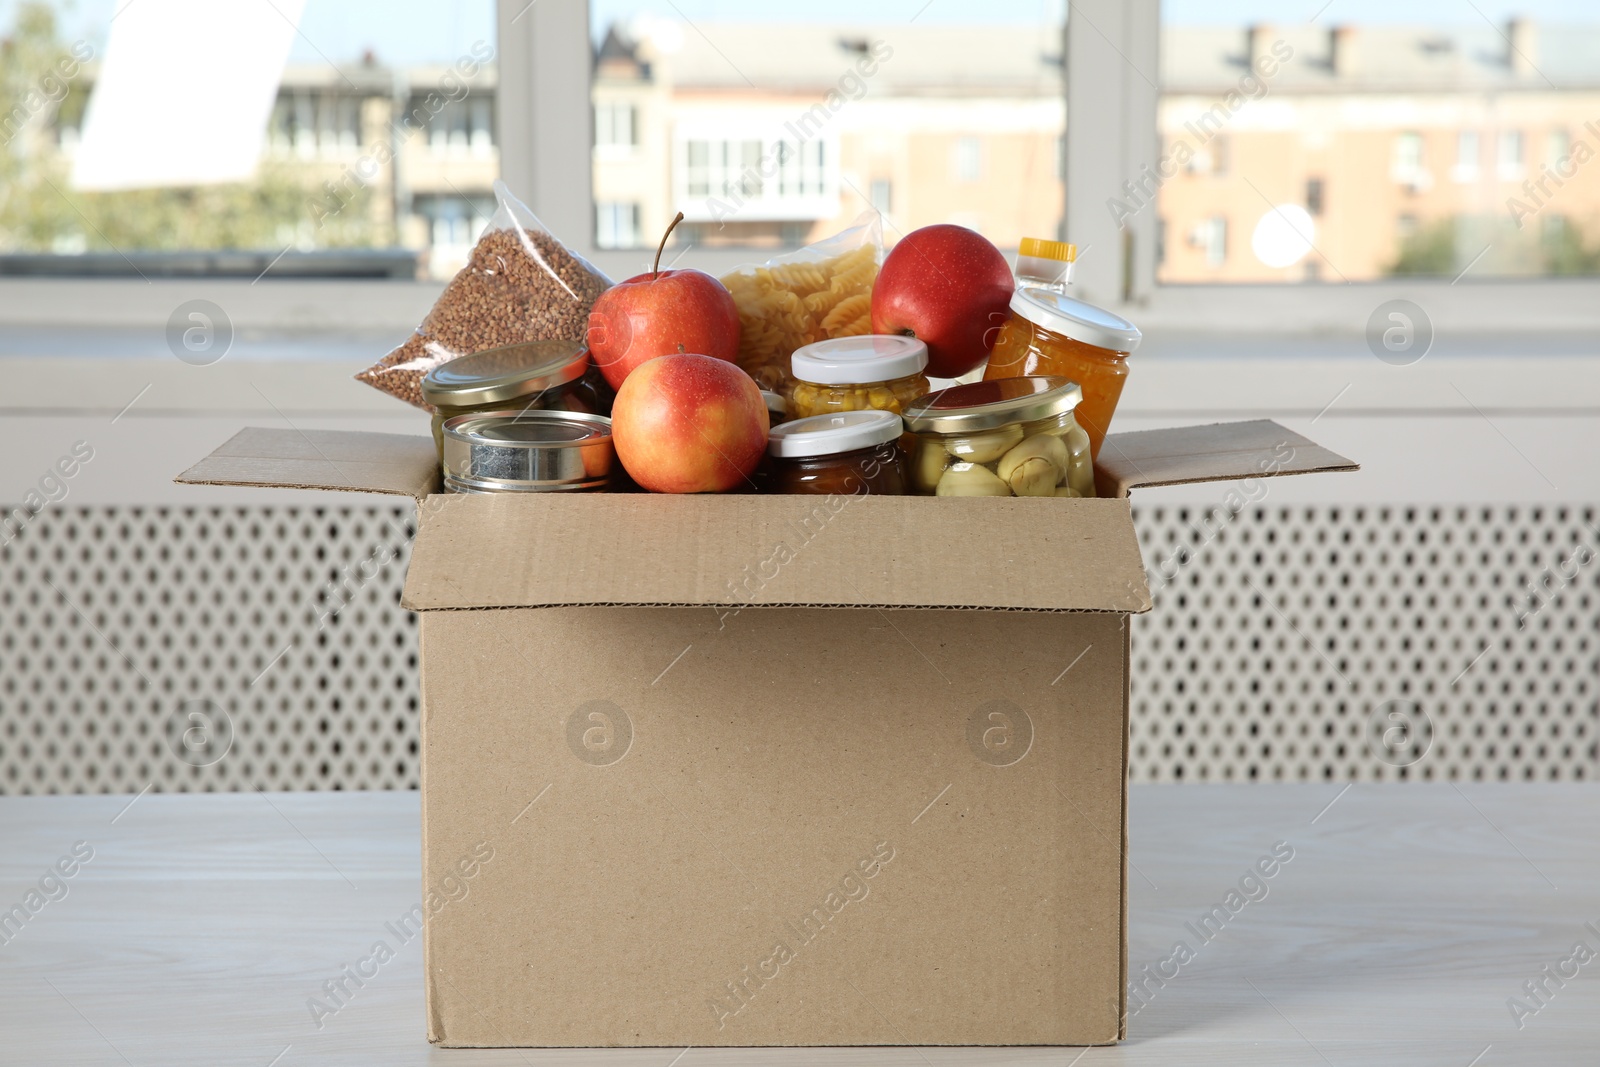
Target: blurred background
x,y
1378,224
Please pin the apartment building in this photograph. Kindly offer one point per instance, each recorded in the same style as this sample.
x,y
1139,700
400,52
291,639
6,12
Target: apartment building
x,y
1381,135
926,124
1363,138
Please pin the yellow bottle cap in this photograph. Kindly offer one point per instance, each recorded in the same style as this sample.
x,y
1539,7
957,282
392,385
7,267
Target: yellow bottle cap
x,y
1042,249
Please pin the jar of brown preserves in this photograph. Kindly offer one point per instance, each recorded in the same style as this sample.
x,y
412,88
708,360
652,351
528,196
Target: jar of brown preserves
x,y
849,453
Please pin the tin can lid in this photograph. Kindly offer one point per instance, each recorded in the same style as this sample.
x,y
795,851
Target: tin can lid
x,y
873,357
1076,319
990,405
828,435
510,372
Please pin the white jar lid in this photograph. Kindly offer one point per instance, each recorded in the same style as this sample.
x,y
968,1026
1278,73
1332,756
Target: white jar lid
x,y
1062,314
873,357
828,435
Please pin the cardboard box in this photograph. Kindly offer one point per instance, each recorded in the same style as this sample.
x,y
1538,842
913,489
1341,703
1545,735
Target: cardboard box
x,y
772,770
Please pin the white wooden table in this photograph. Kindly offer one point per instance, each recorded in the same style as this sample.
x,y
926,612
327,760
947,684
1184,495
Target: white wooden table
x,y
1408,917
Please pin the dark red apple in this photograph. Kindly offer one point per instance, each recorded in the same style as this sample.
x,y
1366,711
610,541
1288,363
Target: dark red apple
x,y
948,286
689,424
660,313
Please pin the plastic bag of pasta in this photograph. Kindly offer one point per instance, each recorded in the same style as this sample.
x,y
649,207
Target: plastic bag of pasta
x,y
818,292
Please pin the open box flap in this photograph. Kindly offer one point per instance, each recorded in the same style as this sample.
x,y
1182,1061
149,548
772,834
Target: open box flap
x,y
727,552
1222,451
340,460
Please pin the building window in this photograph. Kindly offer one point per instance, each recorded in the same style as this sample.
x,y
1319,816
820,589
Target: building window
x,y
1210,158
1211,237
1510,156
723,169
1408,158
1314,196
1406,226
617,225
465,125
453,221
967,159
482,119
616,125
1559,148
1467,157
698,167
801,170
744,169
882,195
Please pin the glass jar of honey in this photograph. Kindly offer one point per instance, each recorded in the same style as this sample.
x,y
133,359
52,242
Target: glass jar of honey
x,y
849,453
881,371
1050,333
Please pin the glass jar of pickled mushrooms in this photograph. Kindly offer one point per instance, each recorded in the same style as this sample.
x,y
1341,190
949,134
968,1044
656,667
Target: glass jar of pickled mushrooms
x,y
1007,437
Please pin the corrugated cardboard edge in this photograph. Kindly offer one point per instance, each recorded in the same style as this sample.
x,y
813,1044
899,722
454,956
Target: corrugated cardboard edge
x,y
333,460
1217,452
1127,744
727,553
431,1002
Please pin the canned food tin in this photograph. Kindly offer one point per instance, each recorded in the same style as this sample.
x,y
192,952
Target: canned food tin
x,y
527,452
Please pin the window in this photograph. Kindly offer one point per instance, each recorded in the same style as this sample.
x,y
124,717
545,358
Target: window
x,y
967,159
614,125
617,225
293,140
1314,190
1211,156
461,127
1210,236
1510,167
698,157
453,223
1467,157
1408,159
882,195
801,171
1558,150
1441,122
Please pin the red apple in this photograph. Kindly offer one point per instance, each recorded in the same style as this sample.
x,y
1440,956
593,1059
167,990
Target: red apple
x,y
660,313
948,286
689,423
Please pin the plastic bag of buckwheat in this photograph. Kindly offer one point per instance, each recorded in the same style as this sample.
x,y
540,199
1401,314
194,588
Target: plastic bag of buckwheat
x,y
520,284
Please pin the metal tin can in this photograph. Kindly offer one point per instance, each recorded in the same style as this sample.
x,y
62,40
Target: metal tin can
x,y
533,376
527,452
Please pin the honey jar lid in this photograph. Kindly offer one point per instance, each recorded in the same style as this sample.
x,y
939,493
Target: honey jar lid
x,y
828,435
1062,314
506,373
992,404
873,357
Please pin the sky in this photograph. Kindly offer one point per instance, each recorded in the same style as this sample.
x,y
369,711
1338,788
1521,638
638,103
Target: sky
x,y
425,31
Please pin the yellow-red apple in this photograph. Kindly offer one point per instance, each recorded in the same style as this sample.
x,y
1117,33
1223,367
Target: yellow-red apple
x,y
689,423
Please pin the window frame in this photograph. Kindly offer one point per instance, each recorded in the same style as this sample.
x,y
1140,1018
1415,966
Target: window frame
x,y
545,60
